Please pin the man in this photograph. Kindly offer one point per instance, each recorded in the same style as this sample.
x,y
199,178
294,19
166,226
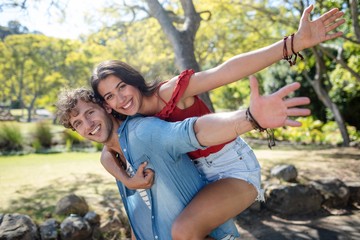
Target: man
x,y
163,145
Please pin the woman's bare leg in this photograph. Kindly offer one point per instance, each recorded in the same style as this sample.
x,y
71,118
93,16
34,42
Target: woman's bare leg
x,y
212,206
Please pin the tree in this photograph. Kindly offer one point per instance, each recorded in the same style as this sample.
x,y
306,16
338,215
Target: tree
x,y
320,63
35,66
182,40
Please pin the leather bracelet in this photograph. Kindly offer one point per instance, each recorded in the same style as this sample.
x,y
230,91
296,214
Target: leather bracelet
x,y
256,126
285,52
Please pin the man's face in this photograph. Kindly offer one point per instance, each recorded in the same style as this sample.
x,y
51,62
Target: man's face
x,y
91,121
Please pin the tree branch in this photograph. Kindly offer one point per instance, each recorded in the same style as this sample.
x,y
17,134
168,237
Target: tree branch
x,y
338,59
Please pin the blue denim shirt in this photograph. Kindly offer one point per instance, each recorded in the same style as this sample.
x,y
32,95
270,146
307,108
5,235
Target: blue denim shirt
x,y
164,146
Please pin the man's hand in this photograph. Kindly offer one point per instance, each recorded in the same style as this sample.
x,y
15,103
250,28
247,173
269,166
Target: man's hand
x,y
143,178
273,111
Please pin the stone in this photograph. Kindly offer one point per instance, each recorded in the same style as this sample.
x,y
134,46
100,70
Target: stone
x,y
287,173
293,199
19,227
335,193
71,204
92,218
354,198
49,229
75,228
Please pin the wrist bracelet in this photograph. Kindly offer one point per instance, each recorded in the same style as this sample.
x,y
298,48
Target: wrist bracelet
x,y
285,52
256,126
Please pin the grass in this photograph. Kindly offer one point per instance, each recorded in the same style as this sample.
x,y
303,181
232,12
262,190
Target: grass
x,y
32,184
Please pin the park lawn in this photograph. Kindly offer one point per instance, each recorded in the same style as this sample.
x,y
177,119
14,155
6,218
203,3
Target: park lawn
x,y
50,176
32,184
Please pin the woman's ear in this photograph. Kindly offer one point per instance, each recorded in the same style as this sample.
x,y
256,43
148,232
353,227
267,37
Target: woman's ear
x,y
107,108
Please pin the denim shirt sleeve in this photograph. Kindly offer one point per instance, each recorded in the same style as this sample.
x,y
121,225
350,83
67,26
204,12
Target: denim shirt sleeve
x,y
178,137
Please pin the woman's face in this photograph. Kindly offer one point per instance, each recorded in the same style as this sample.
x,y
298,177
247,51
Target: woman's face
x,y
123,98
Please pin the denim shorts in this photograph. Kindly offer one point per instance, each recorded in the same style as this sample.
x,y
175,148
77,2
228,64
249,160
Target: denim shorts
x,y
235,160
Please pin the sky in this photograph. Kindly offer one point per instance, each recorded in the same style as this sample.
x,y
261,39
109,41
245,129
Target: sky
x,y
37,18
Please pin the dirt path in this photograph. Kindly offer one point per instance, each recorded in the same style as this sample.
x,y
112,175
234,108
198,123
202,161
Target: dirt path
x,y
313,164
264,226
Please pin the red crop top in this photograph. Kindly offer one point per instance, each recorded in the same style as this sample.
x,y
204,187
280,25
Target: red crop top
x,y
172,113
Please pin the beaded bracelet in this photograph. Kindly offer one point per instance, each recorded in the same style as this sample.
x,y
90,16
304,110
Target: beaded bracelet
x,y
285,52
256,126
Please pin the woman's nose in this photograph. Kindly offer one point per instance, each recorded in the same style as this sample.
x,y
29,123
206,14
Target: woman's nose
x,y
120,98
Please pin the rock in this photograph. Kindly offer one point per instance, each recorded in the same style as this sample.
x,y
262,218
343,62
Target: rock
x,y
18,227
72,204
49,229
92,218
287,173
293,199
335,193
354,198
75,228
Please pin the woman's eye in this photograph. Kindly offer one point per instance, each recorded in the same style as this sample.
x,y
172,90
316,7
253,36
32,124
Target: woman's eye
x,y
108,97
122,86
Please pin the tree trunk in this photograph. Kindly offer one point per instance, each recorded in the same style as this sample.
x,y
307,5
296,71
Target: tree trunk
x,y
30,108
355,16
181,41
324,97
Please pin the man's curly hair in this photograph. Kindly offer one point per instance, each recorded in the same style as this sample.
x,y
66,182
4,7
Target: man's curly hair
x,y
67,100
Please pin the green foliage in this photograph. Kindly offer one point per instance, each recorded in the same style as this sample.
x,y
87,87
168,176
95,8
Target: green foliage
x,y
42,136
311,132
231,96
97,146
11,138
34,67
74,140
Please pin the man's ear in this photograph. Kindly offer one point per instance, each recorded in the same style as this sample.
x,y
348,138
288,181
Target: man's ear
x,y
107,108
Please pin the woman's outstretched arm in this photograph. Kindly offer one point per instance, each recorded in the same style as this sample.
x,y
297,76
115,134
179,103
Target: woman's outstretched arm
x,y
310,33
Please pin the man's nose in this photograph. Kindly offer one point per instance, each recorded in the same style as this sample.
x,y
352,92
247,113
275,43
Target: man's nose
x,y
89,123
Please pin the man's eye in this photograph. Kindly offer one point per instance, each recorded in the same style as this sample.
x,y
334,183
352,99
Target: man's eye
x,y
122,86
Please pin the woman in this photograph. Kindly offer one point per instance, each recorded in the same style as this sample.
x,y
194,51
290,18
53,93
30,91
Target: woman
x,y
231,168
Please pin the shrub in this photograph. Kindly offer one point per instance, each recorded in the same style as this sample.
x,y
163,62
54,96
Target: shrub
x,y
97,146
42,136
311,131
11,138
75,140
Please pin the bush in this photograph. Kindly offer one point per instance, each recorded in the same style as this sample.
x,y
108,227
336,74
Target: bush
x,y
98,146
42,136
11,138
311,131
75,140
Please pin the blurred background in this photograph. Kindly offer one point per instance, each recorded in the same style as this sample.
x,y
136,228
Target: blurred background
x,y
47,45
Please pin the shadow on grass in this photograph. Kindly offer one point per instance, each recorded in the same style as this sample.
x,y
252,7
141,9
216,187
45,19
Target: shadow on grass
x,y
343,156
40,203
265,225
